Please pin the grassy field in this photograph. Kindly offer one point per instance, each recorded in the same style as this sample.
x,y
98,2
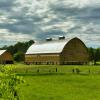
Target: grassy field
x,y
44,83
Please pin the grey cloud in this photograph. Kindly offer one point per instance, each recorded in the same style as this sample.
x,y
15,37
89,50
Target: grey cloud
x,y
6,5
57,13
85,13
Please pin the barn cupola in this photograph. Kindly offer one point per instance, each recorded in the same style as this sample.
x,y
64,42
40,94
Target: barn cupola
x,y
61,37
49,39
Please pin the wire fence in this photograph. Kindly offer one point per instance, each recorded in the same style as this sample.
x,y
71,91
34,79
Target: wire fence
x,y
39,70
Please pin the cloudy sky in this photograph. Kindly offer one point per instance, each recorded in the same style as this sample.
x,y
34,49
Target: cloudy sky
x,y
22,20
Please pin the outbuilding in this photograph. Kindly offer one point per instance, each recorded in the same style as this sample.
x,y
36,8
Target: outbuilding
x,y
5,57
62,51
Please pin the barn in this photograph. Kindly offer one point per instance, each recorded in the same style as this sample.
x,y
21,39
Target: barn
x,y
60,52
5,57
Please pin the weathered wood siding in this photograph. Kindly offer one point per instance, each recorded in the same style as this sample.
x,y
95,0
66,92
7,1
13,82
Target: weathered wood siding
x,y
43,59
74,52
6,58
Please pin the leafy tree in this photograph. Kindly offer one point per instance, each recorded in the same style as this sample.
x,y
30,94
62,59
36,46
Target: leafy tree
x,y
97,55
19,56
91,54
94,54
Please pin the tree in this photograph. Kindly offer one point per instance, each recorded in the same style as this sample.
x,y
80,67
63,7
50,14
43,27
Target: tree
x,y
97,55
19,56
91,54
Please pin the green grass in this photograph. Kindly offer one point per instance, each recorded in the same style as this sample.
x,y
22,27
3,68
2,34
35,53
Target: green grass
x,y
62,85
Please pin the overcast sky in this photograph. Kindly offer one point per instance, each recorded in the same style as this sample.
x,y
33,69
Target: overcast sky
x,y
22,20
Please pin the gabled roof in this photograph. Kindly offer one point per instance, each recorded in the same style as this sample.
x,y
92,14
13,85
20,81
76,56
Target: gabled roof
x,y
47,47
2,51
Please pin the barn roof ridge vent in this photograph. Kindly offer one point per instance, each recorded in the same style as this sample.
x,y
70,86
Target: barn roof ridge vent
x,y
49,39
61,37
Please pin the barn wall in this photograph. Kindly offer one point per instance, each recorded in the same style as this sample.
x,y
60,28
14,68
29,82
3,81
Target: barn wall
x,y
75,52
43,59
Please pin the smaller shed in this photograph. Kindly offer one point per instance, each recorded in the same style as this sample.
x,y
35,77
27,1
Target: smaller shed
x,y
5,57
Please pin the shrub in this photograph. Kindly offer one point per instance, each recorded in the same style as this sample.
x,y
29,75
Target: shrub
x,y
9,84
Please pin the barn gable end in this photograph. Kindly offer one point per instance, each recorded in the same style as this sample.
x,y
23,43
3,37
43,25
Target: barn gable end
x,y
5,57
75,52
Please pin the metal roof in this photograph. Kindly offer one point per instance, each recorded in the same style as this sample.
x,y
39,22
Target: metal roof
x,y
47,47
2,51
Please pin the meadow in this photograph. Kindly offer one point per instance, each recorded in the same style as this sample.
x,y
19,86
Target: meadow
x,y
58,82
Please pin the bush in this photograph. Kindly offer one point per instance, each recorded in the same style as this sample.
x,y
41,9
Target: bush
x,y
19,56
9,84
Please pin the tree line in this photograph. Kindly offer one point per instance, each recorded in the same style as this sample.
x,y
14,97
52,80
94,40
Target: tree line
x,y
19,49
94,55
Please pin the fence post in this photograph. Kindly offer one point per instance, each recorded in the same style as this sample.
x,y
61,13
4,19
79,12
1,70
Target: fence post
x,y
56,69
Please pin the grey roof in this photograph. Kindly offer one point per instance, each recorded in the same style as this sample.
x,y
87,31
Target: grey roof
x,y
47,47
2,51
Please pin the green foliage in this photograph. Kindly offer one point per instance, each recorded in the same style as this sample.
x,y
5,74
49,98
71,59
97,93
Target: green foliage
x,y
94,54
97,55
19,56
9,84
91,54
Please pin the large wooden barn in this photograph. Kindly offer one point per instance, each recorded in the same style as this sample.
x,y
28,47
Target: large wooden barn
x,y
61,51
5,57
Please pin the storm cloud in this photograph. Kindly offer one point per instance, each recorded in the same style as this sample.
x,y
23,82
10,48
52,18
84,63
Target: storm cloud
x,y
22,20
